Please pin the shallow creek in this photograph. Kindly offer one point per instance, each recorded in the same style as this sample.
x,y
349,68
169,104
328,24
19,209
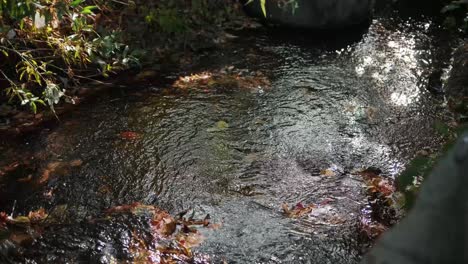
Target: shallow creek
x,y
340,102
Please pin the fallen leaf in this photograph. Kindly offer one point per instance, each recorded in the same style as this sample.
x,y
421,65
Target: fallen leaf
x,y
328,173
45,176
25,179
381,185
9,168
21,238
222,125
129,135
177,236
57,168
226,78
191,239
286,209
38,215
297,211
76,163
299,206
164,224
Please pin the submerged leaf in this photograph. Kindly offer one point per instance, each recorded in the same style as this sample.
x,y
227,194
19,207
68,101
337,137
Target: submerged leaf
x,y
222,125
130,135
36,216
297,211
328,173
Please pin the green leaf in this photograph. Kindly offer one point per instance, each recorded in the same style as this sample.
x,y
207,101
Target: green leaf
x,y
41,102
76,3
33,107
263,5
88,10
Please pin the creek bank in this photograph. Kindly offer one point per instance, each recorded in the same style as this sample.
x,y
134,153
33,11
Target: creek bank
x,y
113,38
156,72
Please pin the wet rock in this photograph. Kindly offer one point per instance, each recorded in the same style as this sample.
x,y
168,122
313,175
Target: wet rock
x,y
457,84
435,230
319,14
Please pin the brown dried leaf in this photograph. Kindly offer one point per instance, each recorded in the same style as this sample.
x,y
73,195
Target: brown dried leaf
x,y
189,240
21,238
76,163
298,211
38,215
25,179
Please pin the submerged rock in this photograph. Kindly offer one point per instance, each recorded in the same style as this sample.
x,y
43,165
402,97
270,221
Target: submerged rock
x,y
318,14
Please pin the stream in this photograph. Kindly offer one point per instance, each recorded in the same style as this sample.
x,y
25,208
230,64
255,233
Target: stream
x,y
337,103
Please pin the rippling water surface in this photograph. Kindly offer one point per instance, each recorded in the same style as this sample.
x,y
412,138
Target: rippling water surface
x,y
342,103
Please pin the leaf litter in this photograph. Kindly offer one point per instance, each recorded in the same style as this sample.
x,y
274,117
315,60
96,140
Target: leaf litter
x,y
172,239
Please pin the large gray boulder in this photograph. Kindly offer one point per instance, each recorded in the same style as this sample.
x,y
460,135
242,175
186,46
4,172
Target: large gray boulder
x,y
436,230
318,14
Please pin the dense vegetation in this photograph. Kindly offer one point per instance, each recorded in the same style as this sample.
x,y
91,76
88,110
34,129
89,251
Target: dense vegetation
x,y
47,46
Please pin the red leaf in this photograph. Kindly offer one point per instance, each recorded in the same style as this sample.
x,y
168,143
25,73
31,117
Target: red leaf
x,y
3,219
129,135
299,206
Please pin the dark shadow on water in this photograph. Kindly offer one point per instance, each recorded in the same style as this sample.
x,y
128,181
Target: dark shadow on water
x,y
326,40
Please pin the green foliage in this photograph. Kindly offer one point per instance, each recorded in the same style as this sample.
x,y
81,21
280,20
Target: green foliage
x,y
17,10
47,46
50,44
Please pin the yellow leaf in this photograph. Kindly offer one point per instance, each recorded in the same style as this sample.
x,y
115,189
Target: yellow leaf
x,y
328,173
263,4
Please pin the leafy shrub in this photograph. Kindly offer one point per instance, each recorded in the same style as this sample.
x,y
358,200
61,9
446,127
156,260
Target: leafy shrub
x,y
46,45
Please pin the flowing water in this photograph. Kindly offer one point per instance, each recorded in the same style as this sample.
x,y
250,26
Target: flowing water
x,y
340,102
